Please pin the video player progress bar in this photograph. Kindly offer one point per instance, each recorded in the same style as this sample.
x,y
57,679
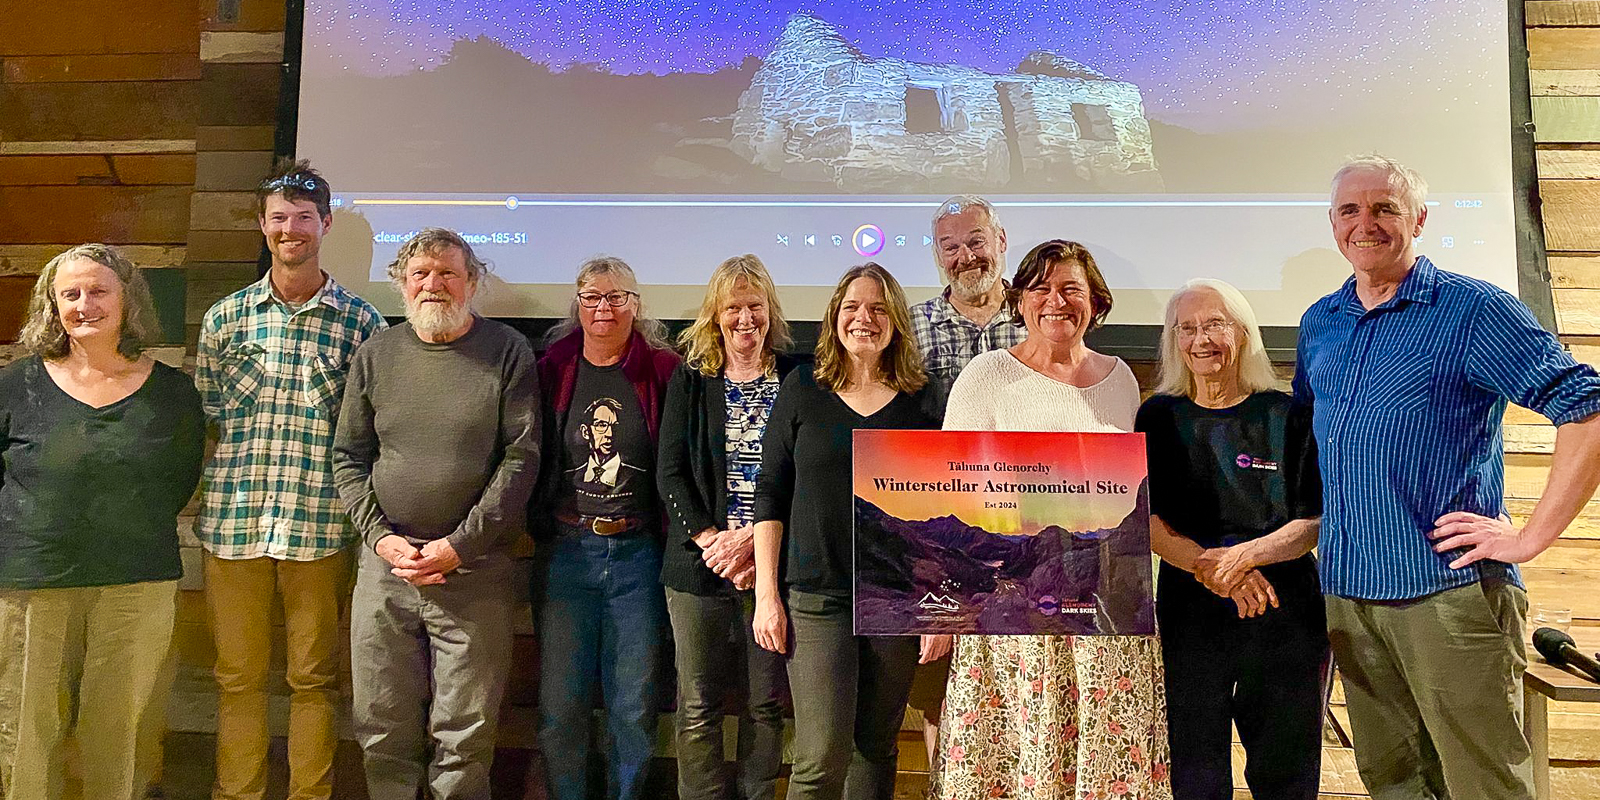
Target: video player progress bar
x,y
519,203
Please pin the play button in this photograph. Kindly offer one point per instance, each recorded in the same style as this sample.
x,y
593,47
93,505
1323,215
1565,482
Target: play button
x,y
868,240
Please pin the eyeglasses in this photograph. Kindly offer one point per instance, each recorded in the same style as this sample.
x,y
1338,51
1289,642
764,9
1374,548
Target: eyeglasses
x,y
1189,330
613,299
302,182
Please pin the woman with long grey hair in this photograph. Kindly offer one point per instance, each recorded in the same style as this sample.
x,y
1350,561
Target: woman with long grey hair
x,y
1235,500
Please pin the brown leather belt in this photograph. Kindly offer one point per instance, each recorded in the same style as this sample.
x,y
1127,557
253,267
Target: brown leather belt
x,y
602,526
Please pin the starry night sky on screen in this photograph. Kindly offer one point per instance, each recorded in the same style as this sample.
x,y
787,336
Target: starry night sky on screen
x,y
1208,65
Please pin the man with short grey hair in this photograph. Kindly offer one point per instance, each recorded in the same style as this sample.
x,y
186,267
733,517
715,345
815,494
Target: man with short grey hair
x,y
1408,369
970,316
435,455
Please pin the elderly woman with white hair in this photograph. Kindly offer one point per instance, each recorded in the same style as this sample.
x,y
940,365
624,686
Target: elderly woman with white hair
x,y
1235,500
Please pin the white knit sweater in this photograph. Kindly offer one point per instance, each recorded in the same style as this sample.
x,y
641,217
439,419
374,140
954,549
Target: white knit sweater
x,y
996,392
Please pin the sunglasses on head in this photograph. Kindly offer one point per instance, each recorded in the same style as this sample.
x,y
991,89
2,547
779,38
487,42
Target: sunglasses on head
x,y
302,182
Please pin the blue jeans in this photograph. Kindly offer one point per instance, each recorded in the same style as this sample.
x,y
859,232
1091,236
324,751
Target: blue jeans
x,y
601,615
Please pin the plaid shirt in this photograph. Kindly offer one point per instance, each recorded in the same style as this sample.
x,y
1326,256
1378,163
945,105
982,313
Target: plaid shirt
x,y
271,378
949,340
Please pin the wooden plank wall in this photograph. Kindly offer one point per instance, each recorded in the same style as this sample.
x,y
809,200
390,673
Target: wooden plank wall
x,y
1564,72
97,125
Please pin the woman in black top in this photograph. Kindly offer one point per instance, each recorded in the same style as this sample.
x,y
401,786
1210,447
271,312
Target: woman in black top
x,y
849,691
101,450
716,411
1235,500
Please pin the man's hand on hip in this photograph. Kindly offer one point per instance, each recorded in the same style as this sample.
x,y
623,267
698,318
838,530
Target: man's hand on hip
x,y
1491,538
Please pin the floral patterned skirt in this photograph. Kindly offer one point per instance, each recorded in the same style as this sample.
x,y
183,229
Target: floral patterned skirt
x,y
1054,718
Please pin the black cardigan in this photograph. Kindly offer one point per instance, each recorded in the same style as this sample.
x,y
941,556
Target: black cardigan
x,y
692,474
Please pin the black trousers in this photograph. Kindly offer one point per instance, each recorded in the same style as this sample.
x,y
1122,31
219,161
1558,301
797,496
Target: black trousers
x,y
1265,675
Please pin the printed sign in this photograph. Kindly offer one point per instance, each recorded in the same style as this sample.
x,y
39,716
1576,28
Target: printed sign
x,y
995,532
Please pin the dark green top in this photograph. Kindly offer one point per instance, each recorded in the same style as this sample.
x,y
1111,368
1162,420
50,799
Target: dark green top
x,y
90,496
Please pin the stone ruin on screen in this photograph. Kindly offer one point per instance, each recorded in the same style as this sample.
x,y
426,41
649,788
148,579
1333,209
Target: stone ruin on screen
x,y
818,110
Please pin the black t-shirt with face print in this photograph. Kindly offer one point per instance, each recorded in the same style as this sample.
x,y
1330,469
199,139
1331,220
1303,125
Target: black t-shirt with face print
x,y
610,464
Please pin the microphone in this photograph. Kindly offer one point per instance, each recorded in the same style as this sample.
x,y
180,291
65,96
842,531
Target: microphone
x,y
1559,649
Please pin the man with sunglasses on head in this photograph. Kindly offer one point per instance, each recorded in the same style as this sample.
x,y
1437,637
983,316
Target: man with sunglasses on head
x,y
271,365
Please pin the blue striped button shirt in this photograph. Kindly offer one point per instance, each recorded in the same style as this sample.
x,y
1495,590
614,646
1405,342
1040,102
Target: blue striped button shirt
x,y
1408,399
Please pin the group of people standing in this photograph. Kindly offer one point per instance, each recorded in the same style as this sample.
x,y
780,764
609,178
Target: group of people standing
x,y
709,494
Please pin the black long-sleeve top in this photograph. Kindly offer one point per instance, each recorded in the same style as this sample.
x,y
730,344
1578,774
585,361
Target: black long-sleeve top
x,y
91,496
806,473
692,474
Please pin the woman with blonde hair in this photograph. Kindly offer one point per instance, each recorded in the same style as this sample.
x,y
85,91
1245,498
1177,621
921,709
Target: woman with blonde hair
x,y
717,408
1235,501
849,691
101,448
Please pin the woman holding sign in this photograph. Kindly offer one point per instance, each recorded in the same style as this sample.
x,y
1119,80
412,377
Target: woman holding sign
x,y
1235,498
849,691
1052,717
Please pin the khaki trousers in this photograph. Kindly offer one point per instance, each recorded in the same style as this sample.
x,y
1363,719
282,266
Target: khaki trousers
x,y
12,616
240,595
93,662
1434,691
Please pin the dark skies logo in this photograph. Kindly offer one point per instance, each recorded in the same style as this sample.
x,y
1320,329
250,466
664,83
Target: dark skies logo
x,y
1247,461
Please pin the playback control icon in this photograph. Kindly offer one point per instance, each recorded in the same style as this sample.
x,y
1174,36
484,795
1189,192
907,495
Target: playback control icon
x,y
868,240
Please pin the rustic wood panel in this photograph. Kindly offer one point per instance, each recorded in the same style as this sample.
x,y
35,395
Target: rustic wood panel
x,y
1572,213
238,94
54,170
1563,82
1529,438
1570,164
1577,310
1585,527
68,111
234,137
111,214
29,259
1571,553
14,293
1525,473
119,67
1575,272
79,147
240,47
1563,48
173,169
223,211
1566,119
1517,415
253,15
231,170
68,27
213,283
1542,13
1585,353
225,246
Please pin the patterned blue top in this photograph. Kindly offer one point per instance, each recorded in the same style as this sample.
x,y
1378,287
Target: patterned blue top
x,y
749,405
1408,403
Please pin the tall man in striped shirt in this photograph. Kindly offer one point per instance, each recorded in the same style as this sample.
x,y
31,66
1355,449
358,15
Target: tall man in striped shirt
x,y
1409,368
271,370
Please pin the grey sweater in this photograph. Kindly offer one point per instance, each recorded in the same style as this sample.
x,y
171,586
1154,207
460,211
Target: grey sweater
x,y
440,440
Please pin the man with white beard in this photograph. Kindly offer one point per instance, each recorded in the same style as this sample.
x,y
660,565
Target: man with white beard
x,y
970,316
435,455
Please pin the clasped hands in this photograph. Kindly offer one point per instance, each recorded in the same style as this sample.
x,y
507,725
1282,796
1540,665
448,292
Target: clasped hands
x,y
419,567
730,553
1232,572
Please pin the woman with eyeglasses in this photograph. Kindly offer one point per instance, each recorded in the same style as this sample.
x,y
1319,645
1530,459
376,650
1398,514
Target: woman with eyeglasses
x,y
597,522
1235,500
1052,717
